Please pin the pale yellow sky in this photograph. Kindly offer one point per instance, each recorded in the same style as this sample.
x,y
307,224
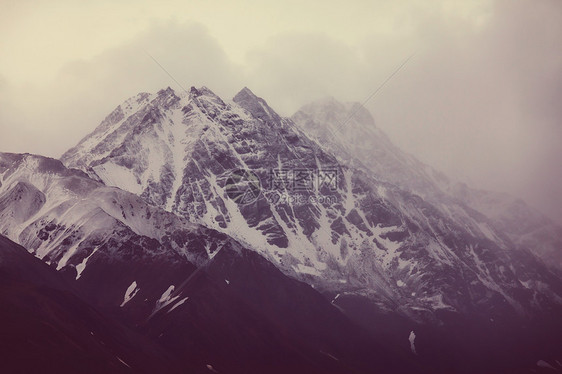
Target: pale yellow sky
x,y
37,38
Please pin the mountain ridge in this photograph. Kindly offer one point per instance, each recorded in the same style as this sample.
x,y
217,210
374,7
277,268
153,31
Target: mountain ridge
x,y
319,243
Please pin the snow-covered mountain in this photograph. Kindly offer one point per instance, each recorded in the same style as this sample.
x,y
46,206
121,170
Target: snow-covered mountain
x,y
367,234
349,131
239,241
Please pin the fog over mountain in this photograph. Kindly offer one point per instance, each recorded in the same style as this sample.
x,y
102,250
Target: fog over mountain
x,y
479,100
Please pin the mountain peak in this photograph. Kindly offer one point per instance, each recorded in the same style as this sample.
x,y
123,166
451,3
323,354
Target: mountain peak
x,y
203,90
167,90
246,92
331,110
256,105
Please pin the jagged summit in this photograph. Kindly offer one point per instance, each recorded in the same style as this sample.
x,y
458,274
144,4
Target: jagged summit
x,y
256,105
246,92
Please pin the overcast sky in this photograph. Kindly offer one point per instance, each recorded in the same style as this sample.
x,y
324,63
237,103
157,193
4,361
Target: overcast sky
x,y
480,100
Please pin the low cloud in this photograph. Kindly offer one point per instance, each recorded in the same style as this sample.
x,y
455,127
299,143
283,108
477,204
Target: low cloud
x,y
479,100
50,118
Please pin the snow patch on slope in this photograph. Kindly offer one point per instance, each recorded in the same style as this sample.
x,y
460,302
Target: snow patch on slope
x,y
130,293
118,176
412,339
